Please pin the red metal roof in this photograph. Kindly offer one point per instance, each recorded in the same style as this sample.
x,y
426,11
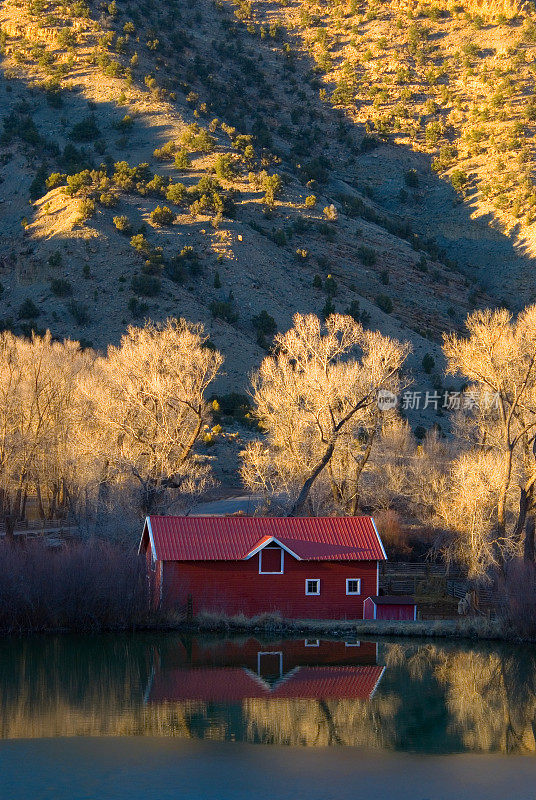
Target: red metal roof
x,y
392,600
228,685
234,538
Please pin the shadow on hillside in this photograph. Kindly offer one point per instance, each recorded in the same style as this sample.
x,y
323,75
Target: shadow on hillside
x,y
499,263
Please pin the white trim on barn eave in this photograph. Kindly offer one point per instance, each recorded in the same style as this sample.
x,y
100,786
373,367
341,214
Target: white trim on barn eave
x,y
379,538
265,544
151,538
371,695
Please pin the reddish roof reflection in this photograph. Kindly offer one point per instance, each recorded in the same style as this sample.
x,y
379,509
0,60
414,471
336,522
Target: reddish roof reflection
x,y
231,672
232,685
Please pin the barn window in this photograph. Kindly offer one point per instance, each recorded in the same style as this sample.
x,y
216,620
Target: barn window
x,y
312,586
312,643
271,560
353,585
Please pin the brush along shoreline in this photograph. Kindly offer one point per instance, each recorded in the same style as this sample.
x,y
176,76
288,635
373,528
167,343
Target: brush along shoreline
x,y
474,628
271,624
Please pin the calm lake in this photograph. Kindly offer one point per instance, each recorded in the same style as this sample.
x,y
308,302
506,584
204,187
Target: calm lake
x,y
170,715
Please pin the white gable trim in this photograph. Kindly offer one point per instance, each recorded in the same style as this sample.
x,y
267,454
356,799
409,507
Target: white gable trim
x,y
379,538
377,684
151,538
265,544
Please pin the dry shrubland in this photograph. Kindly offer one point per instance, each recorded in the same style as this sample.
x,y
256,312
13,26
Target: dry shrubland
x,y
94,586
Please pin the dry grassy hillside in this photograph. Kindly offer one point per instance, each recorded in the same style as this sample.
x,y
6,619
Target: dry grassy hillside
x,y
219,160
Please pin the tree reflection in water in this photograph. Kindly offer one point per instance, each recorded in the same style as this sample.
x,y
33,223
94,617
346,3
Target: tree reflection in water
x,y
421,697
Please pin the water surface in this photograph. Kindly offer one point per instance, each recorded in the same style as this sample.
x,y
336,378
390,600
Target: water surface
x,y
426,698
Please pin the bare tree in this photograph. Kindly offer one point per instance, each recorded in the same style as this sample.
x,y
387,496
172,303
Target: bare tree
x,y
146,408
317,400
37,380
495,476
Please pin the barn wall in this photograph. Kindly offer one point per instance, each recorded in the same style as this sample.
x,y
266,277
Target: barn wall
x,y
235,587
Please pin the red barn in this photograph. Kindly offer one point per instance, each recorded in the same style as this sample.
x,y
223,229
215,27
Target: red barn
x,y
302,567
390,607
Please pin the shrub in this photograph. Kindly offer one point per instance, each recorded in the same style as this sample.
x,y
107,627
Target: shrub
x,y
125,124
79,312
136,308
146,285
78,182
384,302
54,260
222,309
85,131
330,285
428,363
140,243
176,193
393,535
354,311
197,139
182,160
411,178
331,213
264,323
225,167
87,208
317,282
55,179
329,308
310,201
61,287
166,152
122,223
162,215
108,199
89,586
367,255
272,185
28,309
459,181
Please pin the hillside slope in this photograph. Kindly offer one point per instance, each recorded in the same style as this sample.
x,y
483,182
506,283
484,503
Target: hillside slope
x,y
279,201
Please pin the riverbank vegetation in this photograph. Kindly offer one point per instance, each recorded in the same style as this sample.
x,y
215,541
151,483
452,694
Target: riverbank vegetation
x,y
83,586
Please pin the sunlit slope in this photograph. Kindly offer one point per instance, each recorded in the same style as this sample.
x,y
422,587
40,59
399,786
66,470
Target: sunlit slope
x,y
114,114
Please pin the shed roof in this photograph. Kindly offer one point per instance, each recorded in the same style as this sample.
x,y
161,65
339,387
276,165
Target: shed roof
x,y
393,600
239,538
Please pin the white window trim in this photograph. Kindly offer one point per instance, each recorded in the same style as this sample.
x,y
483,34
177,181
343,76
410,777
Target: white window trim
x,y
270,653
352,644
312,643
359,585
281,571
312,593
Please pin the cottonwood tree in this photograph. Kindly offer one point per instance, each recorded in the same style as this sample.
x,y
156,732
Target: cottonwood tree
x,y
147,402
492,501
316,398
38,379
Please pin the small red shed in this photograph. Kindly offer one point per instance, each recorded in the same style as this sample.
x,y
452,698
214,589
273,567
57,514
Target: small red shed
x,y
390,607
301,567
